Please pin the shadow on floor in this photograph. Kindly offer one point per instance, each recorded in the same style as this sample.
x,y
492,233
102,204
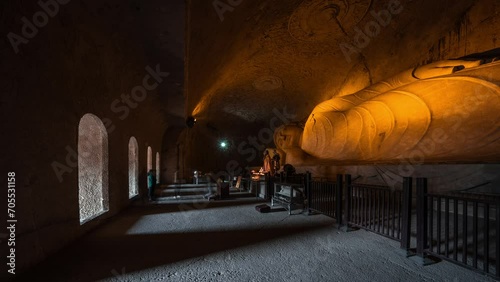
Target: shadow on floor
x,y
180,205
102,257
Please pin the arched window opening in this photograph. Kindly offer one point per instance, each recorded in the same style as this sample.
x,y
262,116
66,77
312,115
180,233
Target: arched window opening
x,y
157,168
92,168
133,167
150,158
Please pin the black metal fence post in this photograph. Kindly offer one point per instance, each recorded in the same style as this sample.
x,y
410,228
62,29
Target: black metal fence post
x,y
308,191
348,203
497,239
269,184
338,202
422,219
406,220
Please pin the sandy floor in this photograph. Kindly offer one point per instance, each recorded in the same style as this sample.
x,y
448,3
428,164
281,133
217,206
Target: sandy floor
x,y
230,241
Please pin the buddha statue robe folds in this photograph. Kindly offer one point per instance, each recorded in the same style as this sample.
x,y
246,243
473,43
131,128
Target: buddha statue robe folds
x,y
448,111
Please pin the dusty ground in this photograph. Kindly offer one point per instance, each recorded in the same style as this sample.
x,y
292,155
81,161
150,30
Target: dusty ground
x,y
230,241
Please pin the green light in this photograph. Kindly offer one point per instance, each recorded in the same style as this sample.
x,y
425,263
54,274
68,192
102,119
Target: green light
x,y
223,144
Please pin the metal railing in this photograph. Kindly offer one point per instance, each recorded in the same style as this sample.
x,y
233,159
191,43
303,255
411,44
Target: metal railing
x,y
459,228
376,208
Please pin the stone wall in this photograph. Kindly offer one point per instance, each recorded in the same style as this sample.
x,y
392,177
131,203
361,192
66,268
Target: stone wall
x,y
79,62
472,178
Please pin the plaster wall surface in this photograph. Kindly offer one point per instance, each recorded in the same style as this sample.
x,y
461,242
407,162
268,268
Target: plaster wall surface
x,y
80,62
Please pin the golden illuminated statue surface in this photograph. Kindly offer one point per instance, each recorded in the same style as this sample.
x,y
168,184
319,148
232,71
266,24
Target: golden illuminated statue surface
x,y
267,161
448,111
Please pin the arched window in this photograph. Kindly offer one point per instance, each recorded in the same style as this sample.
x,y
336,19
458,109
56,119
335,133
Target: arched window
x,y
150,158
157,168
133,167
92,167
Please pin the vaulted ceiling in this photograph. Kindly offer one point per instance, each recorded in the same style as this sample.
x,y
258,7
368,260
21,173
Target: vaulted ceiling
x,y
247,58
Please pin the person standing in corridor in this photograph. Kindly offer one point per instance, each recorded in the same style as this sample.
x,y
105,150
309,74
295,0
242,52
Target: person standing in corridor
x,y
151,184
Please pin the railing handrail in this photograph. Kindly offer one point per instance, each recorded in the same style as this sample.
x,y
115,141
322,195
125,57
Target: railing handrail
x,y
469,198
323,182
373,186
322,179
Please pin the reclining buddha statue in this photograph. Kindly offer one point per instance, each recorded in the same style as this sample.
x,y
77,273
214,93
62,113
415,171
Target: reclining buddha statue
x,y
443,112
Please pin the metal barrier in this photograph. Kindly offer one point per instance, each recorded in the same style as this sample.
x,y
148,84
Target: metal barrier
x,y
459,228
378,209
325,197
455,227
